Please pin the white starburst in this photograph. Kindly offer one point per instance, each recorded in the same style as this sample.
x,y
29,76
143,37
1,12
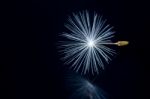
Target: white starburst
x,y
84,46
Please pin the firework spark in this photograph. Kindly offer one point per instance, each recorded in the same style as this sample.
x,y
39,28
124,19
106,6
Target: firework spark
x,y
85,44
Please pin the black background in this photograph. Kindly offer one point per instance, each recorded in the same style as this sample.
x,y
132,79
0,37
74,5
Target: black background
x,y
31,66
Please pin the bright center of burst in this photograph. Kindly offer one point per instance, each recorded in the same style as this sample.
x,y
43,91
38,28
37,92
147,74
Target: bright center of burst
x,y
90,43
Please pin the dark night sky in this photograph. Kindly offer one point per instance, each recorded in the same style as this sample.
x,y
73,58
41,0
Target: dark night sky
x,y
31,66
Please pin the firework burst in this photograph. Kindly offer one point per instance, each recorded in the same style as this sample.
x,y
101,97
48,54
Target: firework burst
x,y
85,44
